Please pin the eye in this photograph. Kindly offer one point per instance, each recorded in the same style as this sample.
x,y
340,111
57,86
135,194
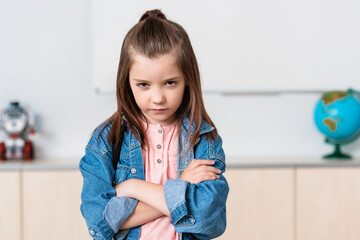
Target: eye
x,y
142,85
171,83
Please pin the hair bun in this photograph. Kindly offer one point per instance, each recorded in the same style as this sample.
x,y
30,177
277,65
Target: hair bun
x,y
156,13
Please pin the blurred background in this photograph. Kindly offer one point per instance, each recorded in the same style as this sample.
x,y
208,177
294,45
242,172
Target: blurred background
x,y
264,67
48,63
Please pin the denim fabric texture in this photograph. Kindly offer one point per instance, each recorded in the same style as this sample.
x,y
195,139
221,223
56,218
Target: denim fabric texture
x,y
198,211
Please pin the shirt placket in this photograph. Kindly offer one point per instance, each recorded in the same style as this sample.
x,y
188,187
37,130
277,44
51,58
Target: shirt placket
x,y
159,156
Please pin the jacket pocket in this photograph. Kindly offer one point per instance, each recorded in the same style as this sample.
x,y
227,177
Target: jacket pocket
x,y
123,173
123,170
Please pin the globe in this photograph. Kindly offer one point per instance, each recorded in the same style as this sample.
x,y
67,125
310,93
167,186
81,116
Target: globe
x,y
337,116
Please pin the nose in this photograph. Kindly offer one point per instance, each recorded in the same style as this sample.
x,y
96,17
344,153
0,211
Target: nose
x,y
158,96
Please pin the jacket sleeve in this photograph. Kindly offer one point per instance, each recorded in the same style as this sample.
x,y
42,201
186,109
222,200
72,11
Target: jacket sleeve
x,y
103,211
200,209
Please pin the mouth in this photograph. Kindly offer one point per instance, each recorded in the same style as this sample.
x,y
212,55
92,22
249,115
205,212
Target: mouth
x,y
158,110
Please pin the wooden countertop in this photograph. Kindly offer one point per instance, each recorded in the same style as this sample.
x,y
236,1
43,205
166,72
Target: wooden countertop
x,y
243,162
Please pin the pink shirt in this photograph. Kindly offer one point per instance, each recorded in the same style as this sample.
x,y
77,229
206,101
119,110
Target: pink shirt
x,y
160,164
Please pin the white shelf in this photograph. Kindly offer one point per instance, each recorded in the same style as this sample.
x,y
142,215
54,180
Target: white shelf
x,y
289,162
66,164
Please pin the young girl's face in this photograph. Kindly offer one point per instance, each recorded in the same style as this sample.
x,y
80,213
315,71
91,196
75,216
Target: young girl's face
x,y
158,87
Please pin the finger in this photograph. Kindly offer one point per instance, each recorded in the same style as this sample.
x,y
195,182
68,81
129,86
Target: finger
x,y
198,162
206,177
206,168
207,174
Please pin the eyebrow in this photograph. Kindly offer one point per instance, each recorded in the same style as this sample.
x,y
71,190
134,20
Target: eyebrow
x,y
146,81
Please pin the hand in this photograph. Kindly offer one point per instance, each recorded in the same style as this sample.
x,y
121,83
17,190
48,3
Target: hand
x,y
199,171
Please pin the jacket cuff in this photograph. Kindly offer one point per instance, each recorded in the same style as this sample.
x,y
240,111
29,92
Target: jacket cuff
x,y
175,198
117,211
104,229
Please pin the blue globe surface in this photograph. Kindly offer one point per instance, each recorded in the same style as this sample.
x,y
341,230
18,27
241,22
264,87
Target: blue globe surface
x,y
337,116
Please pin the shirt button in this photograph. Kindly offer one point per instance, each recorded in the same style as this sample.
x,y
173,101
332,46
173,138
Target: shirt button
x,y
158,146
159,160
92,232
188,161
160,131
133,170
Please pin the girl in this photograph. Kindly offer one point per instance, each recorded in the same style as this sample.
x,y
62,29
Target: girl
x,y
167,182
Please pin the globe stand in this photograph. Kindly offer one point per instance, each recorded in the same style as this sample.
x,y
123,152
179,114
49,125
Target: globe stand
x,y
337,154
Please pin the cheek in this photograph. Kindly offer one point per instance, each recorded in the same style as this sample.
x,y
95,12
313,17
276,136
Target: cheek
x,y
178,97
139,98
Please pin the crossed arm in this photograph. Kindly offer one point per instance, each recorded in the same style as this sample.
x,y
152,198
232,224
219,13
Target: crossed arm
x,y
151,198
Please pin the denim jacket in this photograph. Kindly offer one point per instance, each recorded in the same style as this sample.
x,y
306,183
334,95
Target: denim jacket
x,y
198,211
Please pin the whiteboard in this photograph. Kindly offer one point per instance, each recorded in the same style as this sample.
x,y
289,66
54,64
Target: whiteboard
x,y
246,46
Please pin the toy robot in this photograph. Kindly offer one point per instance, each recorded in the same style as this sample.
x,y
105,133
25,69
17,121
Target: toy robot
x,y
18,125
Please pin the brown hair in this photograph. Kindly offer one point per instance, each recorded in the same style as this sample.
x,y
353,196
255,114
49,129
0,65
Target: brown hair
x,y
153,36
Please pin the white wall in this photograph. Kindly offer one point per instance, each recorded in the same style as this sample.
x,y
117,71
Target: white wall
x,y
46,62
269,46
270,125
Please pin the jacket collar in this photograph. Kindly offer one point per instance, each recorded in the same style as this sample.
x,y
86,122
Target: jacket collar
x,y
204,127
